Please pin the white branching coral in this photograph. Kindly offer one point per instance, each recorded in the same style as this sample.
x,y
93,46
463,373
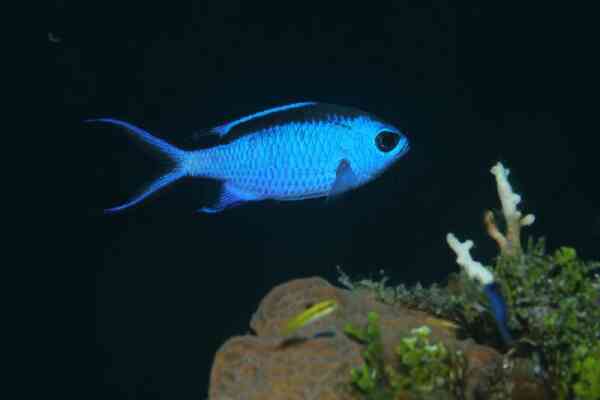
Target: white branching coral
x,y
509,243
474,269
508,198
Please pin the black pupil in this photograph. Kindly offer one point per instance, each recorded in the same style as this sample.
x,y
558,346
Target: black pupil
x,y
386,141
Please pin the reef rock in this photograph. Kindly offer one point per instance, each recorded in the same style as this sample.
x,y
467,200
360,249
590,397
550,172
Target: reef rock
x,y
269,366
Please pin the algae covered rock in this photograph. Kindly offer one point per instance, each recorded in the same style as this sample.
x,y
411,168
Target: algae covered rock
x,y
317,363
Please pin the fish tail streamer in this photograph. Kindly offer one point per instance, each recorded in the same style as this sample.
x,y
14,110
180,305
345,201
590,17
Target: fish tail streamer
x,y
176,157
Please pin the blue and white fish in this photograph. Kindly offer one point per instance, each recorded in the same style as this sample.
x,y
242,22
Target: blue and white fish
x,y
292,152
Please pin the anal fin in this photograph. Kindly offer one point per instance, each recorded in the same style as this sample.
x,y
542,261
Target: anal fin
x,y
228,197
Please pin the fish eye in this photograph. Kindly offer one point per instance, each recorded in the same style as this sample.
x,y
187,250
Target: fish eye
x,y
386,141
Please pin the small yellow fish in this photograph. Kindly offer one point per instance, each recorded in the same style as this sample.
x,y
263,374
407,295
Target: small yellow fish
x,y
310,315
442,323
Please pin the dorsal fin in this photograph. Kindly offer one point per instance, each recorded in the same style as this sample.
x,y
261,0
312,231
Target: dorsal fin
x,y
224,129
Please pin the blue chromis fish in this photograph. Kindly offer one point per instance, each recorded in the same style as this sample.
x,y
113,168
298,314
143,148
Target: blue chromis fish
x,y
291,152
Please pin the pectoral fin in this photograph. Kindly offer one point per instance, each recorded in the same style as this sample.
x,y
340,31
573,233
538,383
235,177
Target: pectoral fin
x,y
345,179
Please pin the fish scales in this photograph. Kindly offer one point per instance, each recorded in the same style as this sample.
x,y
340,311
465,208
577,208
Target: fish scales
x,y
291,152
288,161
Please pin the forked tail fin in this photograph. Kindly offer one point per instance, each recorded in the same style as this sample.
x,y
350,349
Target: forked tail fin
x,y
177,156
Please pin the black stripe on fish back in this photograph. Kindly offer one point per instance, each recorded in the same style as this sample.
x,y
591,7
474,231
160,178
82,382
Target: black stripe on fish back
x,y
313,113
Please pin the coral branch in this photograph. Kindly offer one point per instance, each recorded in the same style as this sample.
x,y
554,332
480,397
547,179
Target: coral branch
x,y
508,198
474,269
509,244
492,229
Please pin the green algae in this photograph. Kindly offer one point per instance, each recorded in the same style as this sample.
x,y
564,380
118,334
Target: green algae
x,y
553,301
423,369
